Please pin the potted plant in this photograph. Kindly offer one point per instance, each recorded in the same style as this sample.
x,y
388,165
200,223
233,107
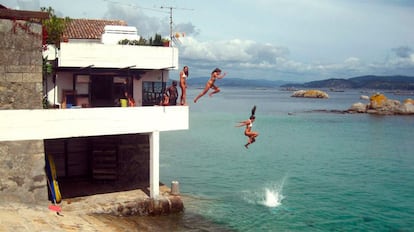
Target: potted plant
x,y
165,42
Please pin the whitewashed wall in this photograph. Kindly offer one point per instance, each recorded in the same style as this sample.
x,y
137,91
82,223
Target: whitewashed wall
x,y
62,123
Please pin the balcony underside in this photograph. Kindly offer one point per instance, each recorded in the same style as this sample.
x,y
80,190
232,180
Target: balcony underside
x,y
63,123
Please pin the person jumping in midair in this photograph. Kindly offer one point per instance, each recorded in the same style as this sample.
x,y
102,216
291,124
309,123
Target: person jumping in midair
x,y
251,135
210,84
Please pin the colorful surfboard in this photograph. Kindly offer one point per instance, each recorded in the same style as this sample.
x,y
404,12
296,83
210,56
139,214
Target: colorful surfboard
x,y
52,179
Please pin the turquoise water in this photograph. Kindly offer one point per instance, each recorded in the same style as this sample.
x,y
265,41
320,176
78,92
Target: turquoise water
x,y
308,171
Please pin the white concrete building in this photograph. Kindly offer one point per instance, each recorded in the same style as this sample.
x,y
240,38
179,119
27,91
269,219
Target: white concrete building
x,y
88,81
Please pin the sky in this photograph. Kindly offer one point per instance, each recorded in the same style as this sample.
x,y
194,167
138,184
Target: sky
x,y
295,41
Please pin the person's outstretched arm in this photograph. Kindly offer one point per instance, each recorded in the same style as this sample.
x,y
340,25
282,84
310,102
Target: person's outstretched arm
x,y
243,123
221,76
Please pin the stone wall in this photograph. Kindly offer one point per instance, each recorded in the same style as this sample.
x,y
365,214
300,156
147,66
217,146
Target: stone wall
x,y
22,175
20,65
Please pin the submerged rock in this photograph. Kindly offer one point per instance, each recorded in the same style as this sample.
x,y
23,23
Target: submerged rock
x,y
310,94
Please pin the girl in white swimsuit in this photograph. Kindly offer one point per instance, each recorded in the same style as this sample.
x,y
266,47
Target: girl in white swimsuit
x,y
183,85
251,135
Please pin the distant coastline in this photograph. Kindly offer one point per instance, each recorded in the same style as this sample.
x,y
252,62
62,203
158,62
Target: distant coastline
x,y
236,82
391,83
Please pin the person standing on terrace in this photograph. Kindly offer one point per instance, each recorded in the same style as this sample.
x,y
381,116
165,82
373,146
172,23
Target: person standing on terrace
x,y
216,74
183,85
173,93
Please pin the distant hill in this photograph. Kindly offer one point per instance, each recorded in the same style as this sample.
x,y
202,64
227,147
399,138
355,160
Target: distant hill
x,y
235,82
361,82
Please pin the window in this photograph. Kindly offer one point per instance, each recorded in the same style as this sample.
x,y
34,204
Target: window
x,y
152,92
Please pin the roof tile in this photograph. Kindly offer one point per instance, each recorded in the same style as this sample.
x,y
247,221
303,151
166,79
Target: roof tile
x,y
88,28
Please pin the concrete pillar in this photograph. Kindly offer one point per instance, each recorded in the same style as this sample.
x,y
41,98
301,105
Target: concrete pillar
x,y
175,190
154,164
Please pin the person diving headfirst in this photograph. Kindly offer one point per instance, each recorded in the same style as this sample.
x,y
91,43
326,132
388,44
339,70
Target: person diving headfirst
x,y
251,135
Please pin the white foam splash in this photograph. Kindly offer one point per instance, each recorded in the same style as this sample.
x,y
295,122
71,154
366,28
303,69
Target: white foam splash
x,y
272,198
269,196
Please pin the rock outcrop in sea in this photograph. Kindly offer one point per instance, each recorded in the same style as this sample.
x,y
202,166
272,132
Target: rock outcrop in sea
x,y
380,104
310,94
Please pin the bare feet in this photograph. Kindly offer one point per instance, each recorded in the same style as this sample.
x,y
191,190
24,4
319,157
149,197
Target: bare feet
x,y
246,146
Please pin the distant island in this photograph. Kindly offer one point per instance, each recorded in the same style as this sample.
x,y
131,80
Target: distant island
x,y
396,82
361,82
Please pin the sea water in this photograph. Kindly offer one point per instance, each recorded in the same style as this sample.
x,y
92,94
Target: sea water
x,y
309,170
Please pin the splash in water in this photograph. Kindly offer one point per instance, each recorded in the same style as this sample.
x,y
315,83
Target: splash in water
x,y
272,198
269,196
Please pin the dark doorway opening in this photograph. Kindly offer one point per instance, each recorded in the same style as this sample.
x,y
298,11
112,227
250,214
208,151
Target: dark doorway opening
x,y
102,91
100,164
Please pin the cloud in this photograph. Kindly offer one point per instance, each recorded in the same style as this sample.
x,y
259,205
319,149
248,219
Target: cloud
x,y
403,52
241,56
147,25
401,57
246,57
401,60
186,28
231,51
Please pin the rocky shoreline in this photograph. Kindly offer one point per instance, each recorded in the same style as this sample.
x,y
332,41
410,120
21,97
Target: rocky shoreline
x,y
381,105
377,104
93,215
120,211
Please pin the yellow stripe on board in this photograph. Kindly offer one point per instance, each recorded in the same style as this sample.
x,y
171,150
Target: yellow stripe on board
x,y
54,179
